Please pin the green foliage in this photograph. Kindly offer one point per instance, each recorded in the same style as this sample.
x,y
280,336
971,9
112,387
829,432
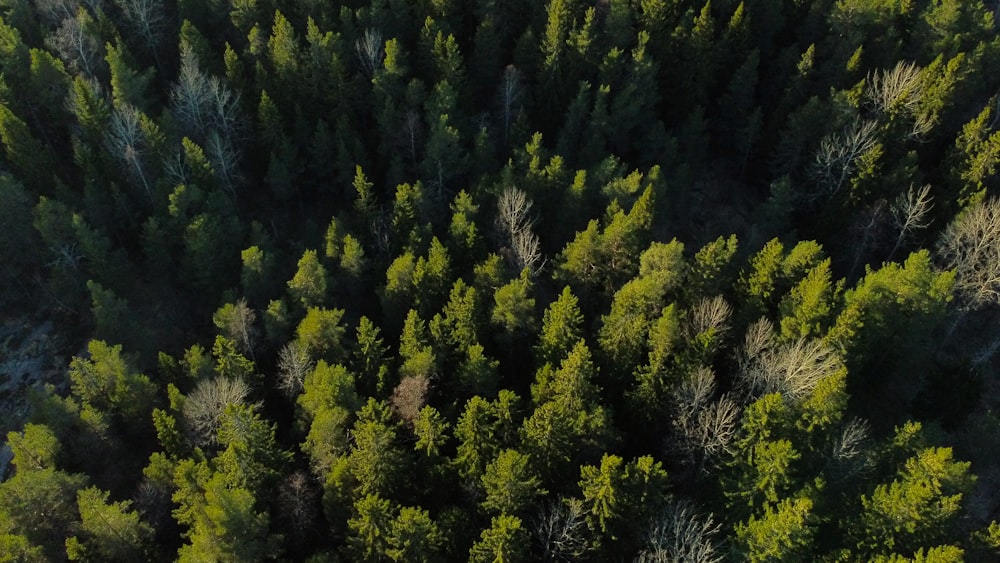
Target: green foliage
x,y
915,509
617,493
484,430
110,531
505,540
431,176
107,382
224,525
40,507
322,334
562,328
328,403
781,533
513,307
510,484
35,448
309,284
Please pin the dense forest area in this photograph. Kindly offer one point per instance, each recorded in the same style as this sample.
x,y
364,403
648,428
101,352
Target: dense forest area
x,y
500,280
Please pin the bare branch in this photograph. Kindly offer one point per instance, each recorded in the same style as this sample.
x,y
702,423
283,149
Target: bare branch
x,y
511,92
202,103
54,12
694,393
147,19
850,443
562,531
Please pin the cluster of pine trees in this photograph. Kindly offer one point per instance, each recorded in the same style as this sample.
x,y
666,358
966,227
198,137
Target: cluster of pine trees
x,y
505,280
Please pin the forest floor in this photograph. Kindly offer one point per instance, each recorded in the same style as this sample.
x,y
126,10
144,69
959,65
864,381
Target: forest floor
x,y
33,352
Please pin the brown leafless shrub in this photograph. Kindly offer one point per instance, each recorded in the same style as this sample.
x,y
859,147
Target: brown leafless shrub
x,y
410,396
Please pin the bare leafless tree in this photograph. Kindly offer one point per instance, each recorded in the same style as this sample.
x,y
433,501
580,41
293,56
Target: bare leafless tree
x,y
711,314
838,154
849,454
970,246
202,103
204,407
224,158
297,497
704,430
147,20
867,227
516,223
75,45
715,428
900,90
911,212
790,368
694,393
849,444
237,323
293,365
412,134
54,12
561,530
370,51
511,93
680,535
126,141
897,89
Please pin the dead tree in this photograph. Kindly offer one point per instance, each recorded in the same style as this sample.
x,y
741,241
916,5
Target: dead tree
x,y
126,141
680,535
838,155
516,223
204,407
75,45
911,212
